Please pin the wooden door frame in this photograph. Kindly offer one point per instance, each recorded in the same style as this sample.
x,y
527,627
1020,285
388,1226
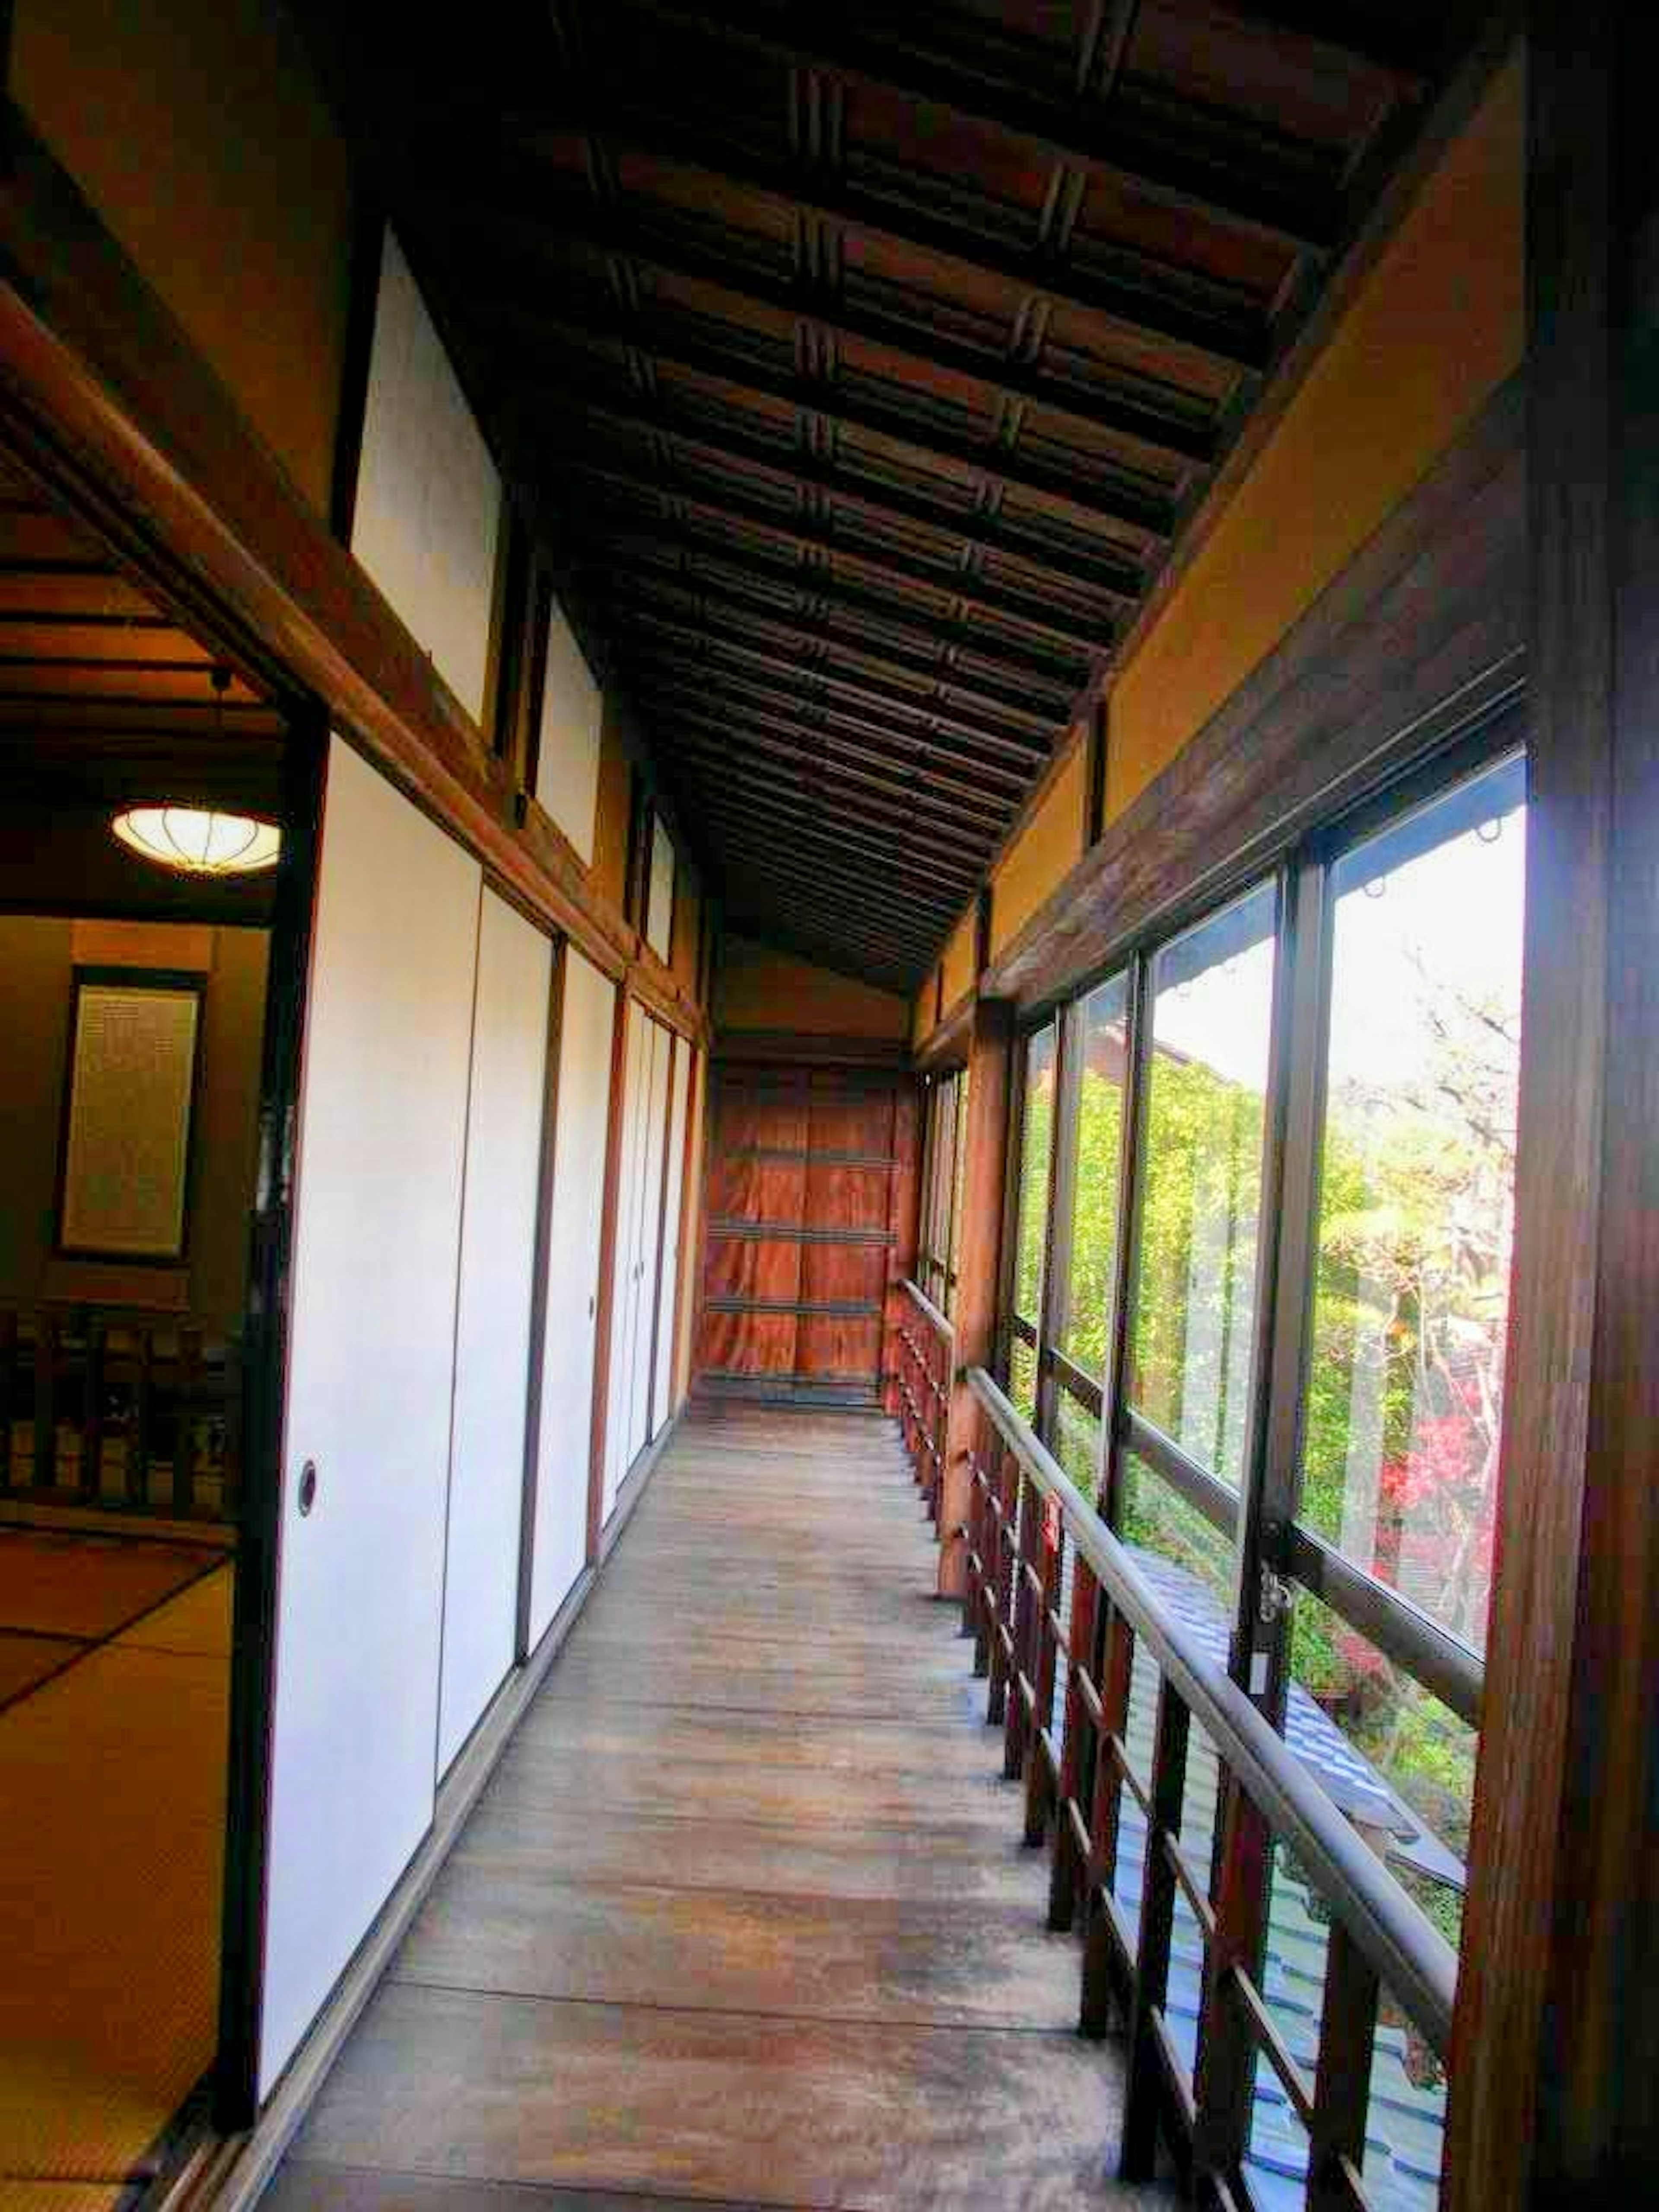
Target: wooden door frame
x,y
253,1636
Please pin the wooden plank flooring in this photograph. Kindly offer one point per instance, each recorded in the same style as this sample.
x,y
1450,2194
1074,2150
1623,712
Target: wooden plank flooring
x,y
743,1918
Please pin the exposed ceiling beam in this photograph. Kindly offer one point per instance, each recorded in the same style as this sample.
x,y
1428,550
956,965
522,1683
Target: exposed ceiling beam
x,y
813,782
1129,500
1039,617
892,869
1112,569
696,645
1175,426
1117,145
1035,673
1240,342
793,708
726,611
917,787
768,732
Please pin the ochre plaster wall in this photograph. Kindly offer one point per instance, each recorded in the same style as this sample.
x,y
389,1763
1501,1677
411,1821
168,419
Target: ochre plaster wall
x,y
1439,322
759,988
959,959
198,134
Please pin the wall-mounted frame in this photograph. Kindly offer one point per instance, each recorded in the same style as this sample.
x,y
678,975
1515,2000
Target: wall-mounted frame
x,y
129,1098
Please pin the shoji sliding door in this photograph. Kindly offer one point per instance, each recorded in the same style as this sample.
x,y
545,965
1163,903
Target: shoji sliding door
x,y
587,1032
660,1050
382,1138
492,1330
662,1389
639,1230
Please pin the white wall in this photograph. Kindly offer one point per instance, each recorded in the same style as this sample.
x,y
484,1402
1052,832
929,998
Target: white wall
x,y
582,1123
426,519
377,1235
492,1333
568,755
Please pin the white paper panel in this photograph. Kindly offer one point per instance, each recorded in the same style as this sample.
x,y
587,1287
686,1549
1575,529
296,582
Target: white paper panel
x,y
382,1131
662,1394
492,1332
568,760
587,1030
659,911
427,511
656,1121
624,1311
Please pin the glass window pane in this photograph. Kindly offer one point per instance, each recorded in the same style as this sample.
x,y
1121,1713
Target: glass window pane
x,y
1189,1560
1077,1443
1194,1315
1022,1378
1101,1034
1417,1199
1037,1137
1411,1788
958,1176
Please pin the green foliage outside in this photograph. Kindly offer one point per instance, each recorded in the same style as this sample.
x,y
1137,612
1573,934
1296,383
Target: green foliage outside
x,y
1400,1436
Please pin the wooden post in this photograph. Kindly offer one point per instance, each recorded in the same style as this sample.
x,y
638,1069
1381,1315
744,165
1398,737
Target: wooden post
x,y
1556,2030
990,1054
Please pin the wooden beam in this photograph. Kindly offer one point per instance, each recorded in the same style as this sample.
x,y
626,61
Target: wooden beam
x,y
715,784
1024,659
1114,586
978,1259
777,738
1235,190
817,774
1557,2029
720,605
1174,427
1131,500
891,868
799,708
687,643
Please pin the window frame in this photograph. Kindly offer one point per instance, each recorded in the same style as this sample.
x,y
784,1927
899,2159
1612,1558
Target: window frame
x,y
1275,1552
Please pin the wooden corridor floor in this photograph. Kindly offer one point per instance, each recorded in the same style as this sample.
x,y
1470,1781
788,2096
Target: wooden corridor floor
x,y
742,1917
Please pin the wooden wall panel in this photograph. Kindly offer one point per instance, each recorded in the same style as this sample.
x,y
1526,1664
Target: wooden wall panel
x,y
809,1151
839,1349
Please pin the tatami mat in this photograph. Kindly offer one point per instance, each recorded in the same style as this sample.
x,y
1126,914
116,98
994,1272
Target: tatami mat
x,y
197,1619
59,2197
26,1660
112,1804
87,1586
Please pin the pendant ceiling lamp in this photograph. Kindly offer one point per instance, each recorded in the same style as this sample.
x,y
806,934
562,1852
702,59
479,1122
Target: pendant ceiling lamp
x,y
200,840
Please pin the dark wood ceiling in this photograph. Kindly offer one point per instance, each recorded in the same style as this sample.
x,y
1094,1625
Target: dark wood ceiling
x,y
105,702
869,358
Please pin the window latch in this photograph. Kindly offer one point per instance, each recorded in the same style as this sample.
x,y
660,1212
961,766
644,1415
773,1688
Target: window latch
x,y
1274,1598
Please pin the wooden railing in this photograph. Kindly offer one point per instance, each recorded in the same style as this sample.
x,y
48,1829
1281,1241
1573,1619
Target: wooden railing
x,y
1057,1606
117,1414
926,1360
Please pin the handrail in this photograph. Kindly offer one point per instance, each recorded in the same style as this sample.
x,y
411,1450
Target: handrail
x,y
1408,1954
930,1313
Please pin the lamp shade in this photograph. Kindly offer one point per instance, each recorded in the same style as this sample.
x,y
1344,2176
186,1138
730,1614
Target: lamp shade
x,y
198,841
